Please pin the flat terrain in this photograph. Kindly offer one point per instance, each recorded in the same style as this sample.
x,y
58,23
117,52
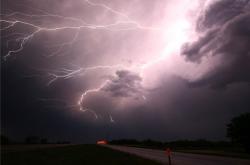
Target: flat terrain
x,y
68,155
23,147
181,158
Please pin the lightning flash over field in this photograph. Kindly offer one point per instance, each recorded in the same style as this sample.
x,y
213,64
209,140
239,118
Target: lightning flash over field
x,y
175,27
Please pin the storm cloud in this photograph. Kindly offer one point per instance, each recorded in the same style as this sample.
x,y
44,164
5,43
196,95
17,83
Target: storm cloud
x,y
225,31
180,71
125,84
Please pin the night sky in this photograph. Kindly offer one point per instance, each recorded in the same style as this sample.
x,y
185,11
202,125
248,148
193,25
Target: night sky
x,y
84,70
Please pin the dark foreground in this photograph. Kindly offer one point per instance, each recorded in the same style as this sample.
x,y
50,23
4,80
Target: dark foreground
x,y
181,158
68,155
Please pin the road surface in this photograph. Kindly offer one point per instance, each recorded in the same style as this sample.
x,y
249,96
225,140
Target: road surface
x,y
181,158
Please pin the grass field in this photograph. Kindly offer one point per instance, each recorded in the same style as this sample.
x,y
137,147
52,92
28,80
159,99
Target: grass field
x,y
71,155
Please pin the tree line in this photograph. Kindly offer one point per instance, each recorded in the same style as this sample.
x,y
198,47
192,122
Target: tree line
x,y
238,131
31,140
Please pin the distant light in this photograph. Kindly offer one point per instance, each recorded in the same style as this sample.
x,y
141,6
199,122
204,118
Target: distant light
x,y
102,142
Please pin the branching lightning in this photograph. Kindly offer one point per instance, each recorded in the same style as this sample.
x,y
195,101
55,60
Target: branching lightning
x,y
125,23
119,25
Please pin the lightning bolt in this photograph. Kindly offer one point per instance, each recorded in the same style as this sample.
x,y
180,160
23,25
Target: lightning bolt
x,y
81,100
68,73
111,119
126,17
125,23
119,25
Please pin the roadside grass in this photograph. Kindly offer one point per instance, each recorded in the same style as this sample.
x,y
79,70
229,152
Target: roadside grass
x,y
72,155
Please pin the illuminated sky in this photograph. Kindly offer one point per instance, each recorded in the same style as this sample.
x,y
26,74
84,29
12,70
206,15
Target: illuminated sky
x,y
84,69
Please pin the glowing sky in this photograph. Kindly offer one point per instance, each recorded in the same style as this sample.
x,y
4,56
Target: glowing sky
x,y
93,63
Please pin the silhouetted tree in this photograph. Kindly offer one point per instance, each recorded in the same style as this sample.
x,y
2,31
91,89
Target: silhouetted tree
x,y
239,130
44,141
32,140
5,140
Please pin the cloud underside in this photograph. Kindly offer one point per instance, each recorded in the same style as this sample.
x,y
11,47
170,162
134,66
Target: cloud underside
x,y
124,84
225,31
168,109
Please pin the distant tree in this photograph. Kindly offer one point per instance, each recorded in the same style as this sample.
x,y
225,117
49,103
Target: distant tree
x,y
152,143
239,130
63,142
5,140
66,142
44,141
125,142
32,140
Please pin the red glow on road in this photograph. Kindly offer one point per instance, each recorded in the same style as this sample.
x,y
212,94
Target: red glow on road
x,y
102,142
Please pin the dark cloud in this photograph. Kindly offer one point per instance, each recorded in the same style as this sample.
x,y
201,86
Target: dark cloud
x,y
125,84
227,30
172,109
176,111
195,51
220,12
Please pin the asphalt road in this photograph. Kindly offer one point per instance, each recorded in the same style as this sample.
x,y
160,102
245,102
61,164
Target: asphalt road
x,y
181,158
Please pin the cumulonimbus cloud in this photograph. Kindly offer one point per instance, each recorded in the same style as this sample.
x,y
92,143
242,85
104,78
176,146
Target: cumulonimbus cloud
x,y
124,84
225,31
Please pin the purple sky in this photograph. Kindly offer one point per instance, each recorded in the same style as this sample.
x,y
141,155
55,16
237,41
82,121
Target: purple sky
x,y
83,70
